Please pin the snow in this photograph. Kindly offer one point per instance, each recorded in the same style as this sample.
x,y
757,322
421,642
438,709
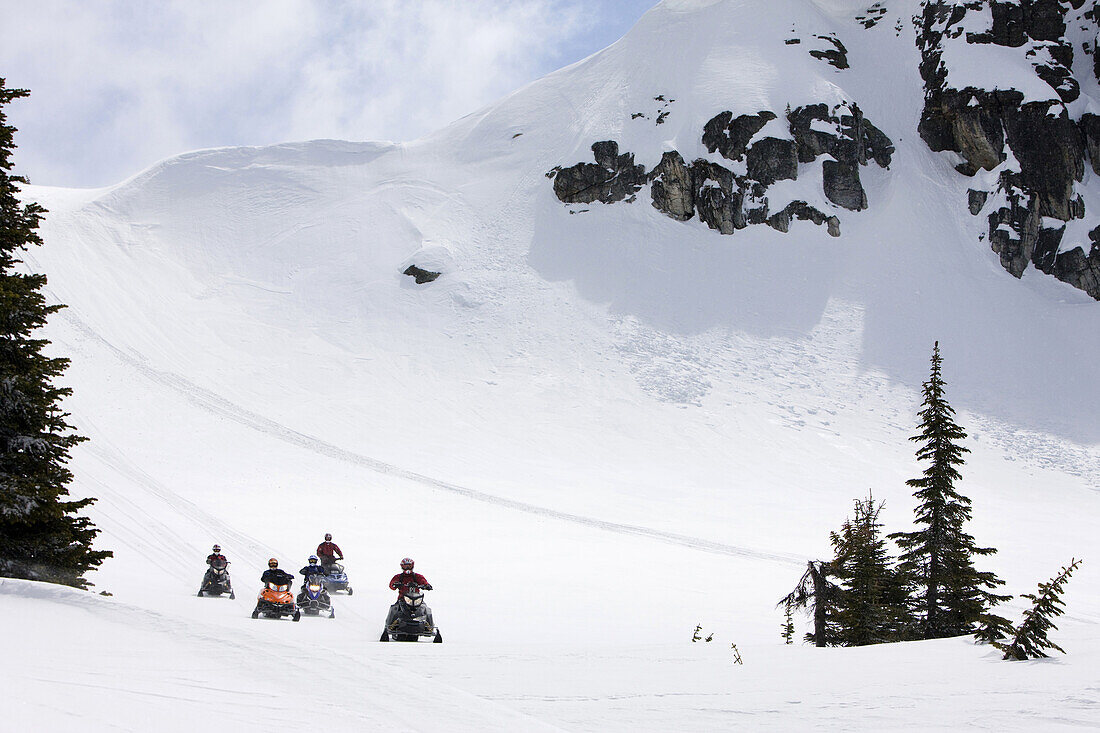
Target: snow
x,y
594,431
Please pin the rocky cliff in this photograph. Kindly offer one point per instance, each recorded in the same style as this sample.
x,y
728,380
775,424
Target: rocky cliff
x,y
1003,91
1009,88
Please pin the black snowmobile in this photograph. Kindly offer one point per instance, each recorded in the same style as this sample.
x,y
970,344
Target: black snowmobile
x,y
410,619
216,581
313,599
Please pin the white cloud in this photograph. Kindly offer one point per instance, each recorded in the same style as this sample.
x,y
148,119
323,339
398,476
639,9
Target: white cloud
x,y
119,84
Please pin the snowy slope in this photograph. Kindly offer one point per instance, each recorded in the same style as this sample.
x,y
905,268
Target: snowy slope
x,y
593,431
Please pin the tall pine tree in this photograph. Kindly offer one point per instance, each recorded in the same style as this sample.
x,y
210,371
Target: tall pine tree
x,y
953,597
41,538
873,605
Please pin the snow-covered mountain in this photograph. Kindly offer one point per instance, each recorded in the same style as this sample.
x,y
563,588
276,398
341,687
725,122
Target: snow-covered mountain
x,y
687,291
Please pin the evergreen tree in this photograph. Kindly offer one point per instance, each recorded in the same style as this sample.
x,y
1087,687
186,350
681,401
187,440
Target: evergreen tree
x,y
787,629
41,538
1030,639
872,607
953,596
818,593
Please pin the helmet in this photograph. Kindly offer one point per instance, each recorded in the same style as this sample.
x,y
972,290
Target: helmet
x,y
407,563
328,537
312,559
216,548
273,563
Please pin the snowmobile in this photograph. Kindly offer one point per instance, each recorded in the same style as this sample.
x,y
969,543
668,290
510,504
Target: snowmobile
x,y
411,620
216,581
336,579
275,601
313,599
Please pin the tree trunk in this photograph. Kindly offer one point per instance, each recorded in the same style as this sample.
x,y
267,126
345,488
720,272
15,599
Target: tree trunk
x,y
817,572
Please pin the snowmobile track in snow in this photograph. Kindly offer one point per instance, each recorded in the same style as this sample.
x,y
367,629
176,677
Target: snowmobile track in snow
x,y
214,403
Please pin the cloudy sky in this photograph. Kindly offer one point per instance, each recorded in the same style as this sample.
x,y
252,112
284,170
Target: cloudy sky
x,y
120,84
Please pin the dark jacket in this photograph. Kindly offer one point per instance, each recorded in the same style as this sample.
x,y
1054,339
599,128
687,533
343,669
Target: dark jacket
x,y
277,576
309,570
210,559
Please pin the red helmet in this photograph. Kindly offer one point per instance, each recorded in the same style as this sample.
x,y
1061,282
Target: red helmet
x,y
407,563
328,537
273,563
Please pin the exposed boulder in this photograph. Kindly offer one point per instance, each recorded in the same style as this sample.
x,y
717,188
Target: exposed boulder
x,y
781,221
1090,133
421,275
976,200
812,143
771,159
970,123
837,56
672,190
1051,152
718,198
1080,270
842,185
731,135
612,178
1014,227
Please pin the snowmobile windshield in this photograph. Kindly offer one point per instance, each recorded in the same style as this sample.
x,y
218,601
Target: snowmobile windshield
x,y
218,564
282,588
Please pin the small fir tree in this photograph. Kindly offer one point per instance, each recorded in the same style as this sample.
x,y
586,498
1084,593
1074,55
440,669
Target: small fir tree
x,y
872,607
1029,640
818,593
787,629
41,538
953,597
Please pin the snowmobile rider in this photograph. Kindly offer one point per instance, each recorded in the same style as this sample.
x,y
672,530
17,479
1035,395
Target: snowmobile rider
x,y
313,568
328,551
401,583
216,561
407,577
216,556
274,575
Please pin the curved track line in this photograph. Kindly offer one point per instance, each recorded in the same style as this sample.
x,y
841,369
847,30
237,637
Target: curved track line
x,y
214,403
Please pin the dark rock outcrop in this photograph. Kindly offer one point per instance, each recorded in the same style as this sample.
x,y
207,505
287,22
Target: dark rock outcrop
x,y
842,185
672,190
730,136
771,159
1080,270
718,197
836,56
781,221
726,201
421,275
612,178
811,143
1038,148
976,200
1090,133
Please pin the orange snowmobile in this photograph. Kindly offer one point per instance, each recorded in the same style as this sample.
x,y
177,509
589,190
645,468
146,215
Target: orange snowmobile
x,y
276,601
